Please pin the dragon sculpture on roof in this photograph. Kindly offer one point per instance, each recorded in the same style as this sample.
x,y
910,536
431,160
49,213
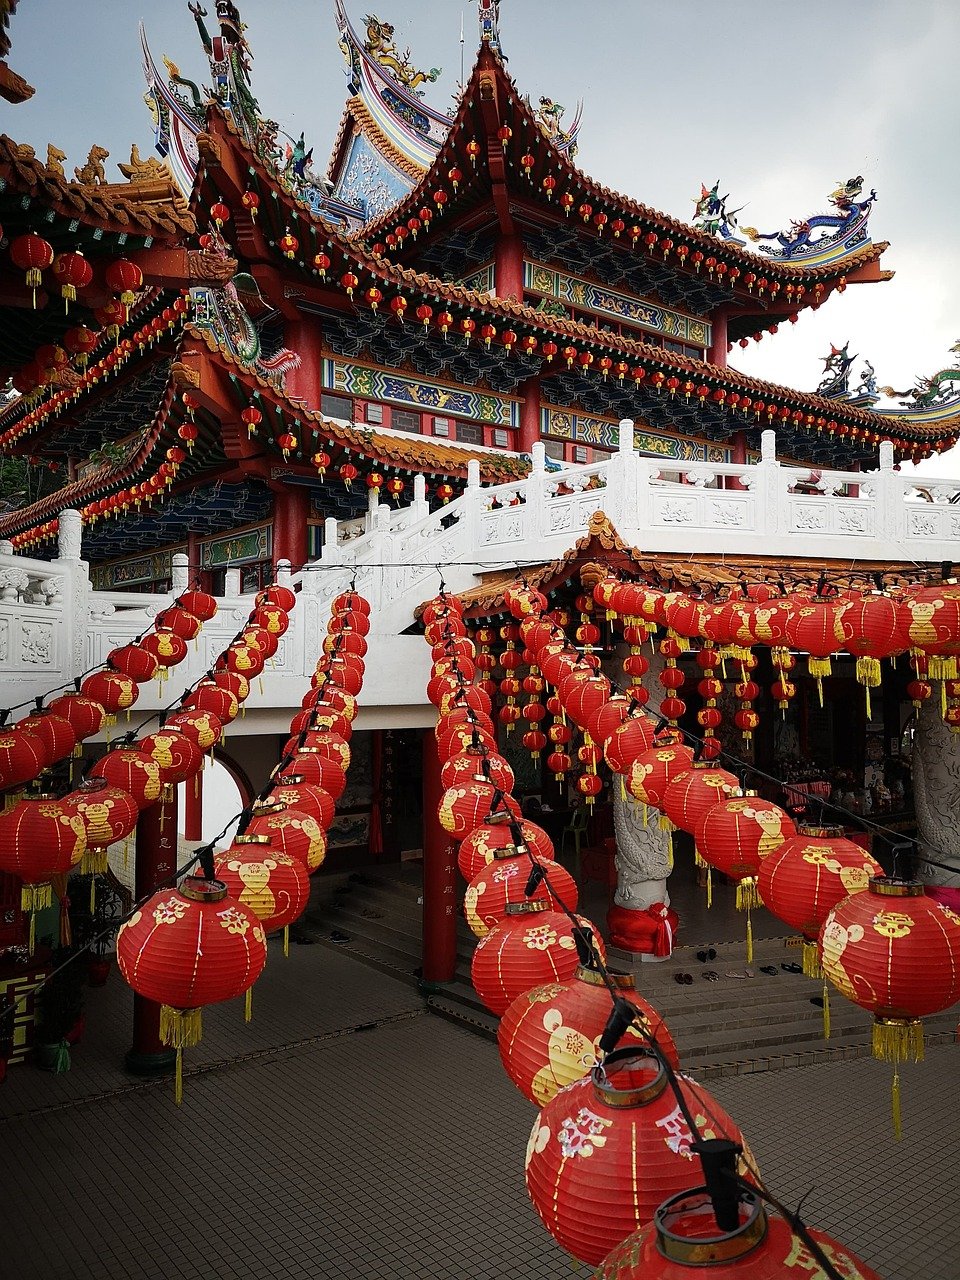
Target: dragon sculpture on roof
x,y
379,44
940,388
844,229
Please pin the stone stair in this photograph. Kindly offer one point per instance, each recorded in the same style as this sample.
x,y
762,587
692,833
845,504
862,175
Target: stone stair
x,y
727,1027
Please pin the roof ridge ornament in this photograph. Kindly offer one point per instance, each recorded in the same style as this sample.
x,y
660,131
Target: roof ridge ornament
x,y
488,13
822,237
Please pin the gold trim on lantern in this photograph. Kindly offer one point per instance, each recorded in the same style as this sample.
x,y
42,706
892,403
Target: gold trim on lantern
x,y
180,1028
254,839
508,851
623,981
639,1095
898,1039
889,887
526,908
824,833
706,1250
268,806
197,889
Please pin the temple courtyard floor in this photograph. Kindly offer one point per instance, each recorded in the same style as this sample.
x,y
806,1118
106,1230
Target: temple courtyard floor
x,y
349,1132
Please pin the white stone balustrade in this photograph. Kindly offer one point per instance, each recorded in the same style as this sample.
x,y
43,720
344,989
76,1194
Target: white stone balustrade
x,y
54,626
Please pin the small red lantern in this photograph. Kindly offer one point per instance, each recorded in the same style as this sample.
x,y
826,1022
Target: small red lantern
x,y
251,202
291,831
33,255
202,727
348,473
186,948
605,1151
126,279
321,460
349,281
220,213
251,417
504,881
550,1036
180,621
817,627
445,492
177,755
208,696
532,946
109,814
132,772
289,244
293,792
113,690
72,272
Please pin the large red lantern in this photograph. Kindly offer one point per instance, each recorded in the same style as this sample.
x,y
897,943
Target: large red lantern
x,y
817,626
22,756
504,881
895,952
477,766
132,772
114,691
109,814
803,880
124,278
291,831
40,837
930,624
628,742
533,945
293,792
133,661
271,883
85,715
504,839
690,794
684,1238
607,1150
189,947
181,621
176,754
872,630
208,696
652,771
33,255
166,648
318,768
55,732
202,727
464,807
550,1036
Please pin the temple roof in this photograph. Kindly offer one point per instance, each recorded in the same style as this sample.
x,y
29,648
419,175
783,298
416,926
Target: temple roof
x,y
13,87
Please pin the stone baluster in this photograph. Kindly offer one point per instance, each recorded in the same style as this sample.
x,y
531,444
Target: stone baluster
x,y
773,509
180,573
69,535
284,571
533,491
231,584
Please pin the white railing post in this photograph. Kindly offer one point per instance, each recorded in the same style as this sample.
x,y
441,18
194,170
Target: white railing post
x,y
330,551
533,494
773,513
472,497
6,547
284,570
891,507
421,506
231,584
69,535
179,573
627,484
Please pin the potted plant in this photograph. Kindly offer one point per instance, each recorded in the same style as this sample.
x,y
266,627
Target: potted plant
x,y
96,930
58,1010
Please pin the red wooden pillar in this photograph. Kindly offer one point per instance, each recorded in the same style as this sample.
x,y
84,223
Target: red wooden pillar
x,y
738,456
508,268
529,415
439,879
305,337
156,862
291,507
717,351
193,807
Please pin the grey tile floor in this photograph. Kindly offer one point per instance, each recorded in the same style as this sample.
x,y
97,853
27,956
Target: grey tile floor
x,y
396,1152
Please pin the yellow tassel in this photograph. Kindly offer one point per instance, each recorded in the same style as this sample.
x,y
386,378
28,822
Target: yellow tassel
x,y
869,709
178,1079
820,691
698,859
819,667
35,897
749,937
644,814
286,939
709,887
868,672
32,940
811,960
94,862
942,667
826,1010
895,1107
93,894
748,895
248,1005
898,1039
180,1028
623,789
664,823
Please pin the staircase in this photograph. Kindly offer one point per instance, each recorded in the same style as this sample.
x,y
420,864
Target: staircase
x,y
733,1026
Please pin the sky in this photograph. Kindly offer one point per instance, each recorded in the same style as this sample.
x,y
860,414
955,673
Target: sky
x,y
780,101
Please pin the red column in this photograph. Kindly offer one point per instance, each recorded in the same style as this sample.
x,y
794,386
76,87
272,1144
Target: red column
x,y
291,507
156,862
193,807
508,268
717,351
529,415
738,456
439,879
305,337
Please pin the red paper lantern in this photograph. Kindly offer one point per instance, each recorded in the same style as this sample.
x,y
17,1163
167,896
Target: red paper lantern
x,y
627,743
817,627
807,876
684,1238
738,833
124,278
290,831
176,754
293,792
33,255
114,691
199,603
40,837
133,661
56,733
22,756
606,1151
532,946
201,727
271,617
320,770
550,1036
503,882
132,772
180,621
689,795
209,696
276,594
270,883
72,272
259,638
651,772
896,953
456,738
165,647
85,715
109,814
471,766
930,624
490,840
464,807
189,947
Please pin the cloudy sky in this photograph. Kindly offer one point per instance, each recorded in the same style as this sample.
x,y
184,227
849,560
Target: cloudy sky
x,y
779,100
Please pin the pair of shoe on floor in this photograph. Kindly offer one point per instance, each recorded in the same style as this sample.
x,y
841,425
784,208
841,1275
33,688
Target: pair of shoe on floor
x,y
685,979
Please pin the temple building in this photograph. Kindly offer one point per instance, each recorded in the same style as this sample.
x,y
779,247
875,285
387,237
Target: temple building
x,y
454,355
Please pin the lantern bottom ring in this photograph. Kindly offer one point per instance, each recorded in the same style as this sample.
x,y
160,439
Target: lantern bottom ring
x,y
708,1248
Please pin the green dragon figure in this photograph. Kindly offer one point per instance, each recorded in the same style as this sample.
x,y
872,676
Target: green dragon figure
x,y
935,390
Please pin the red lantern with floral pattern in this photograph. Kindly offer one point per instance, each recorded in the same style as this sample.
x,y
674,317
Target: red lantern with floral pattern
x,y
533,945
504,881
489,840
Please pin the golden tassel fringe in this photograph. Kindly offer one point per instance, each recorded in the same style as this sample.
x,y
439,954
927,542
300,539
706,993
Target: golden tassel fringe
x,y
664,823
248,1005
645,814
898,1039
748,895
819,667
94,862
812,967
942,666
826,1009
181,1028
895,1107
698,859
749,937
868,672
35,897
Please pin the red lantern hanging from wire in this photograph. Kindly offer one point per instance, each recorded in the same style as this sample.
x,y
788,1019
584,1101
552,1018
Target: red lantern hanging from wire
x,y
816,626
533,945
40,837
271,883
507,880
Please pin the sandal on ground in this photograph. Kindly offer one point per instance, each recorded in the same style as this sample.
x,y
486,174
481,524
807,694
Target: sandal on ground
x,y
736,973
685,979
792,967
710,975
709,953
770,969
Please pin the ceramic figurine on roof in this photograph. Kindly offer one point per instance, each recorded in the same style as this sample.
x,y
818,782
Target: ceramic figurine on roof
x,y
835,382
942,388
488,11
823,237
549,115
379,44
711,215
